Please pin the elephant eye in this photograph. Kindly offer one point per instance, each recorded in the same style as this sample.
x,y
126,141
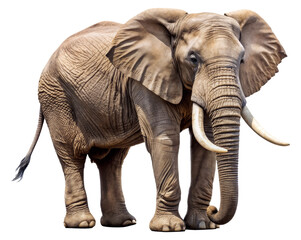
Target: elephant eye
x,y
193,58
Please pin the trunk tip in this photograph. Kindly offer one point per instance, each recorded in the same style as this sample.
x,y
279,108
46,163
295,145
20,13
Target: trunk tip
x,y
215,216
211,210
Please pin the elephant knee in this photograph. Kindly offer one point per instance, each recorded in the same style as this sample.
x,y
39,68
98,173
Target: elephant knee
x,y
163,142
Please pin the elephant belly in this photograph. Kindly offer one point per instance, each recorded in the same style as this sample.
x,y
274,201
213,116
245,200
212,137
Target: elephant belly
x,y
107,117
88,121
105,131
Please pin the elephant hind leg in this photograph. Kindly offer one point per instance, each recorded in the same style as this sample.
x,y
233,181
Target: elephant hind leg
x,y
78,214
115,213
77,211
67,139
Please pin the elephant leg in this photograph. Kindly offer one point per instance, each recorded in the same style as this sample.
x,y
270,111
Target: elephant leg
x,y
69,145
203,165
160,127
115,213
164,153
78,214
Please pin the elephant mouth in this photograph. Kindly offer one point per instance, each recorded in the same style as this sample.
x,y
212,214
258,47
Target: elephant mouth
x,y
199,132
200,135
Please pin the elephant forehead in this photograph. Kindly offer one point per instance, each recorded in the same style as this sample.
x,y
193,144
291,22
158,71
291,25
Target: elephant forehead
x,y
211,35
211,23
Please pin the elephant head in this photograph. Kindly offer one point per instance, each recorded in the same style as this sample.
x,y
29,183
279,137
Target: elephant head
x,y
221,59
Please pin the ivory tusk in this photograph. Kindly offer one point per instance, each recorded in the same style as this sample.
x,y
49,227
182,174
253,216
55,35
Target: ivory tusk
x,y
199,132
256,127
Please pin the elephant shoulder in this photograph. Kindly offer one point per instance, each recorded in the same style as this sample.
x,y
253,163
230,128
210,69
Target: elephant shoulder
x,y
96,38
82,56
87,48
101,29
105,27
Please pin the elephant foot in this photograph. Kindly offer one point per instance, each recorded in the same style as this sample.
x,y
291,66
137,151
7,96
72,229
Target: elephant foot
x,y
117,219
167,223
198,220
82,219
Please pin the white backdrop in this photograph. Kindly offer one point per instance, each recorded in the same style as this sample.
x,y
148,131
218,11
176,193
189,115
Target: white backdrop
x,y
269,176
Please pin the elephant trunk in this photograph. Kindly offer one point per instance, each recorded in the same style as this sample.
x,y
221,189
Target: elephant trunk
x,y
224,104
224,109
226,135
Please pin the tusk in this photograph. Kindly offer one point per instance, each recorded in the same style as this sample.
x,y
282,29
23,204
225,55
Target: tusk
x,y
256,127
198,130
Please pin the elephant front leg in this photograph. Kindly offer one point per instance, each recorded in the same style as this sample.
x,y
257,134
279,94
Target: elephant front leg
x,y
164,153
200,192
160,125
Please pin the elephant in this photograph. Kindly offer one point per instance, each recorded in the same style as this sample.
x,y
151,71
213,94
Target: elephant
x,y
112,86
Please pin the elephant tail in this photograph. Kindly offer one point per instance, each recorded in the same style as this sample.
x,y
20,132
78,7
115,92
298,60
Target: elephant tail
x,y
25,161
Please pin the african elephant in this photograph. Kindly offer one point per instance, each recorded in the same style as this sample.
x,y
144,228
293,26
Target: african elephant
x,y
112,86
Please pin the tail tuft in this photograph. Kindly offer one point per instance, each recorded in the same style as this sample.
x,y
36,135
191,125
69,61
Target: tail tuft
x,y
25,161
21,168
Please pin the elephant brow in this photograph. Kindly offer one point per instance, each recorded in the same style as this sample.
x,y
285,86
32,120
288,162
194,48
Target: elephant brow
x,y
222,59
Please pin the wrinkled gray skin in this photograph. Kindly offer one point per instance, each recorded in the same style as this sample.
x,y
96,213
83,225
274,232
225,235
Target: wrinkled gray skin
x,y
112,86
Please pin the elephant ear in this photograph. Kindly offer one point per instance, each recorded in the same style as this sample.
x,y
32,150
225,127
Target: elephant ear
x,y
142,50
263,51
